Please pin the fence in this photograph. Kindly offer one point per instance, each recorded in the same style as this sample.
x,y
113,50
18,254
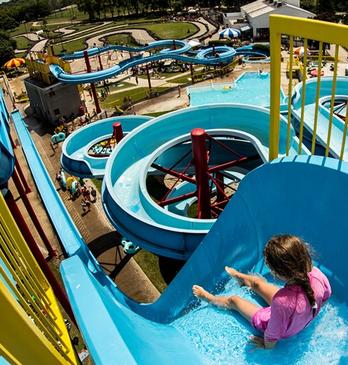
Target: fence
x,y
32,328
305,101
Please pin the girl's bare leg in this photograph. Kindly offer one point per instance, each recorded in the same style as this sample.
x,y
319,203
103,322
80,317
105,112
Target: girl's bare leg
x,y
243,306
256,283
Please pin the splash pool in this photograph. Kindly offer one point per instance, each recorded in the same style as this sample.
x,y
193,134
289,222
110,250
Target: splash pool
x,y
250,88
223,336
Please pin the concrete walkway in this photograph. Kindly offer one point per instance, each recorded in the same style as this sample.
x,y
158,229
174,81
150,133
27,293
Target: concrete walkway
x,y
34,37
39,46
140,35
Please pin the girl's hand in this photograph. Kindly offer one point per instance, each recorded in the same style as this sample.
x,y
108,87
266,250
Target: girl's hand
x,y
258,341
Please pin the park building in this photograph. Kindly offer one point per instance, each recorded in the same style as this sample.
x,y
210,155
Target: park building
x,y
257,13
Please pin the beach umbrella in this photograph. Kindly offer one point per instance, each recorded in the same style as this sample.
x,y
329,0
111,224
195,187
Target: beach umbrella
x,y
314,72
300,51
230,33
14,63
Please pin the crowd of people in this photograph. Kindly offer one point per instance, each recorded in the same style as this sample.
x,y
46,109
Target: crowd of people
x,y
77,188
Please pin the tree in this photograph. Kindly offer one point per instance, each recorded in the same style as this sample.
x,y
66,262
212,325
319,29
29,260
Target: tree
x,y
7,47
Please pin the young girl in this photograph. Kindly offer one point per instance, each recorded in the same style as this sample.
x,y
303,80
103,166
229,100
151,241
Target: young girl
x,y
291,308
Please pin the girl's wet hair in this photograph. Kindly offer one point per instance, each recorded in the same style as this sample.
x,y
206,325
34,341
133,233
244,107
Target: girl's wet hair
x,y
289,258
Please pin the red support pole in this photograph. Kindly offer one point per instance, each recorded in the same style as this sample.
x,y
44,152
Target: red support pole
x,y
148,77
192,74
199,151
22,225
33,216
100,62
94,91
117,131
22,177
219,181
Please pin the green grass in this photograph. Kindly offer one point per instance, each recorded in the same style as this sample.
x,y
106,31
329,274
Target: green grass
x,y
157,114
97,183
22,28
69,47
149,264
116,86
23,43
122,38
66,15
83,26
117,99
136,94
177,30
146,260
181,79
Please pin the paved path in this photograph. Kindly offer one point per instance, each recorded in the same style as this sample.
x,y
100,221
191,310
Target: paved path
x,y
140,35
39,46
31,36
75,33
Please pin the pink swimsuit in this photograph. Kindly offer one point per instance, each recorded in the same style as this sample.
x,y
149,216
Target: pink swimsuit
x,y
290,310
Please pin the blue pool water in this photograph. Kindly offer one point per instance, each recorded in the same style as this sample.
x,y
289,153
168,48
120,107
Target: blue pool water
x,y
223,336
249,88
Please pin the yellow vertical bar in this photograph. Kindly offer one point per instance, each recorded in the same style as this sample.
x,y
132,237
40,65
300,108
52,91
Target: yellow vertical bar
x,y
275,37
289,94
305,47
333,94
344,137
21,338
317,96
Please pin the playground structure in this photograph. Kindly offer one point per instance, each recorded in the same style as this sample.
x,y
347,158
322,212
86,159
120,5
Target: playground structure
x,y
117,324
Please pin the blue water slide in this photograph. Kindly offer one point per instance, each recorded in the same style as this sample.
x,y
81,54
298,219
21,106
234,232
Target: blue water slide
x,y
341,92
76,158
68,233
7,157
269,201
220,55
125,197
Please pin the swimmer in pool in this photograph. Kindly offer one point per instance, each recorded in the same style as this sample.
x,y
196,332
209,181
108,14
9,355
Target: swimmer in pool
x,y
291,308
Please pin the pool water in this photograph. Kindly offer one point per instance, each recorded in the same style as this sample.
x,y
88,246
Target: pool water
x,y
250,88
223,336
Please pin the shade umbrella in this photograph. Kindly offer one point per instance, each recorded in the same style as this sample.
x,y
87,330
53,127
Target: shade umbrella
x,y
14,63
300,51
315,72
230,33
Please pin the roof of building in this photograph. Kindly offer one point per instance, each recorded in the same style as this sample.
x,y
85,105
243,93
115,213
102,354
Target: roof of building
x,y
262,7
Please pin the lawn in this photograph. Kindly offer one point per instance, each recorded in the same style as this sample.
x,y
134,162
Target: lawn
x,y
122,38
116,86
172,30
69,47
149,264
117,99
66,15
23,43
158,114
136,94
22,28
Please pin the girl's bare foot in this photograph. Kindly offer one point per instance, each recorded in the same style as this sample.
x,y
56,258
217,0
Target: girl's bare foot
x,y
201,293
244,279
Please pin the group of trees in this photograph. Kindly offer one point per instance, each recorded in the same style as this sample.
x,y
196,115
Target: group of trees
x,y
97,9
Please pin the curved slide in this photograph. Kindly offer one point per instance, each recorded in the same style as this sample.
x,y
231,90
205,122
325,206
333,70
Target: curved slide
x,y
222,54
324,111
7,157
76,158
268,201
126,200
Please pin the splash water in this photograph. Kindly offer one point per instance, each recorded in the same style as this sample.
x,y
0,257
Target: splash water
x,y
223,337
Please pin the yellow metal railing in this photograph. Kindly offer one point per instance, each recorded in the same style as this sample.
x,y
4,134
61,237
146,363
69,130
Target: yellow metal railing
x,y
322,32
32,328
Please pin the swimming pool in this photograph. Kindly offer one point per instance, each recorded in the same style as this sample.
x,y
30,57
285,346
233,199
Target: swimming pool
x,y
250,88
